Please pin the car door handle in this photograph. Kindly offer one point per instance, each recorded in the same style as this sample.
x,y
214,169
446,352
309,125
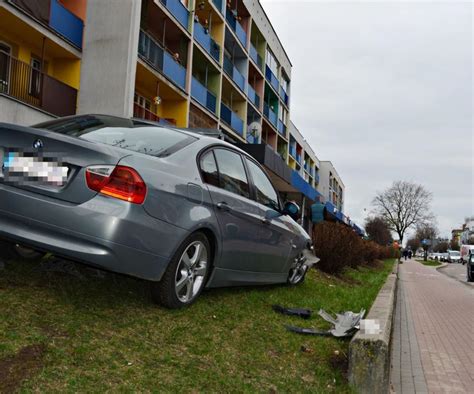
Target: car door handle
x,y
223,206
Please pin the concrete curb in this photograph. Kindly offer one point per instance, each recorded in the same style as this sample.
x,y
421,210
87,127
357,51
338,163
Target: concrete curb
x,y
369,354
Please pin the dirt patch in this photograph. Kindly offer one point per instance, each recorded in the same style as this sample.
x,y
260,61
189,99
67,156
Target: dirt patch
x,y
23,365
340,362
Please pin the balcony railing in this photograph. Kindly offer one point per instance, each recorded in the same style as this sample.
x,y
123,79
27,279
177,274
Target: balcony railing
x,y
178,10
203,96
253,96
255,56
152,53
143,113
58,18
269,114
284,95
235,74
31,86
205,39
236,27
292,150
271,78
281,128
232,119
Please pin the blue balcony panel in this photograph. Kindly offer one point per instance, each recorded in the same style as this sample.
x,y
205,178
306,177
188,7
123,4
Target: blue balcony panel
x,y
251,139
236,27
293,151
281,128
174,71
202,95
253,96
232,119
66,23
255,56
218,4
284,95
235,74
298,158
270,115
206,41
298,182
179,11
271,78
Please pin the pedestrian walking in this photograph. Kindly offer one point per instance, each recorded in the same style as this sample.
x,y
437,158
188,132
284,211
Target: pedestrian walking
x,y
410,253
405,254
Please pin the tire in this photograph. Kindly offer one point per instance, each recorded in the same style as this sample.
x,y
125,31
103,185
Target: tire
x,y
10,250
470,276
186,275
297,273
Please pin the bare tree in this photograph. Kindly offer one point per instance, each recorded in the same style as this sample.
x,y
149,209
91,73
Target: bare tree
x,y
413,244
404,205
378,231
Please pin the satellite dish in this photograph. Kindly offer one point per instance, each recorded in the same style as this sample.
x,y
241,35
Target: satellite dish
x,y
255,130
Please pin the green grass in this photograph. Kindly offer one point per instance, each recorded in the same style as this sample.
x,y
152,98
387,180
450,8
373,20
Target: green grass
x,y
431,263
105,334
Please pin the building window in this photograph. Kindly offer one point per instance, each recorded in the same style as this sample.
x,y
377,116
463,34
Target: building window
x,y
284,84
271,62
35,77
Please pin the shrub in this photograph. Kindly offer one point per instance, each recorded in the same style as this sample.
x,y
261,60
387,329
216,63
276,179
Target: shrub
x,y
338,247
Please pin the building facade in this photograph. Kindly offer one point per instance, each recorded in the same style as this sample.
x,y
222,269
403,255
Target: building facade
x,y
186,63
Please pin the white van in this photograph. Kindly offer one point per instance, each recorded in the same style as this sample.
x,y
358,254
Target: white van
x,y
465,249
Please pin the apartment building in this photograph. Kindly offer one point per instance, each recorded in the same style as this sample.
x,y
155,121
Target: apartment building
x,y
40,58
331,186
186,63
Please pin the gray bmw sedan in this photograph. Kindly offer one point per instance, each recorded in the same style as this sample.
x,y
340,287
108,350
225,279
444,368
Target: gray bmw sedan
x,y
182,210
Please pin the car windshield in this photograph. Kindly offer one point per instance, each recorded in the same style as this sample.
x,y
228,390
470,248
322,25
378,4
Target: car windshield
x,y
123,133
454,253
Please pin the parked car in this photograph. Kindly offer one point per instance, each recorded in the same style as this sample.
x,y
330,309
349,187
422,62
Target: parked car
x,y
444,257
465,250
182,210
454,256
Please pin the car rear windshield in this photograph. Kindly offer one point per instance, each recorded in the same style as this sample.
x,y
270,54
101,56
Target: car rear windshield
x,y
455,253
123,133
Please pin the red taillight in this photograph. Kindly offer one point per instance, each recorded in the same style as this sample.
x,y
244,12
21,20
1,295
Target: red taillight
x,y
120,182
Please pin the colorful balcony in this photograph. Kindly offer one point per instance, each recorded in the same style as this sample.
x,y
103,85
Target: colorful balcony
x,y
255,56
58,18
178,10
271,78
232,119
251,139
153,54
218,4
235,74
236,27
281,128
269,114
253,96
202,95
298,158
206,41
292,150
36,88
284,96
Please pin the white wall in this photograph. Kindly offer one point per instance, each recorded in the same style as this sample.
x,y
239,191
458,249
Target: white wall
x,y
109,59
12,111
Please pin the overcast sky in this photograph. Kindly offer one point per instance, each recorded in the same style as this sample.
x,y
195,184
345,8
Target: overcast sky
x,y
384,90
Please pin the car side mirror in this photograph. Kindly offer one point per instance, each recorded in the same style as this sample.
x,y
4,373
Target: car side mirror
x,y
292,209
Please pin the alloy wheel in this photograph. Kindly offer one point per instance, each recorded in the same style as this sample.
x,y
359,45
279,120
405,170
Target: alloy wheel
x,y
297,271
191,271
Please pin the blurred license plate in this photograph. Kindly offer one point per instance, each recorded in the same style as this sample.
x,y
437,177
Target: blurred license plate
x,y
28,169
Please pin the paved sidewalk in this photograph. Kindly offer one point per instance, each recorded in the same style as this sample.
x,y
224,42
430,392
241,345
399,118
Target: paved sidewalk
x,y
433,337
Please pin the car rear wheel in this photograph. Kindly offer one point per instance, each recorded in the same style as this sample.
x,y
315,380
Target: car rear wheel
x,y
10,250
297,272
186,274
470,276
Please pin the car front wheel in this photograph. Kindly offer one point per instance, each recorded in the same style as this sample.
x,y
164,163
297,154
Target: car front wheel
x,y
186,274
298,271
470,276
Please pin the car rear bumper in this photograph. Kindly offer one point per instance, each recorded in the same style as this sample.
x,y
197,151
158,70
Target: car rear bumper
x,y
103,232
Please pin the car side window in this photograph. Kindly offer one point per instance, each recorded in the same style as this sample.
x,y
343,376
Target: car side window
x,y
266,193
209,169
232,176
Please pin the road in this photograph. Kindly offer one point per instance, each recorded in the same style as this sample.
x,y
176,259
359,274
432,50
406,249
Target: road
x,y
456,271
431,347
